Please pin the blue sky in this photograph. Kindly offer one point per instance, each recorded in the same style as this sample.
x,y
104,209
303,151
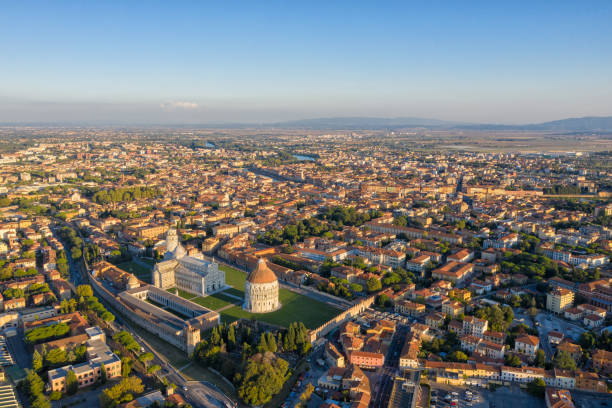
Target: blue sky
x,y
198,62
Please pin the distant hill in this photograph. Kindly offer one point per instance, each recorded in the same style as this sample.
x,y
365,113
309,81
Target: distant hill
x,y
585,124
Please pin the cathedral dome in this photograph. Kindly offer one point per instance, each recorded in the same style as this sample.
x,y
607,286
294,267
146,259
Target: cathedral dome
x,y
132,282
179,252
262,273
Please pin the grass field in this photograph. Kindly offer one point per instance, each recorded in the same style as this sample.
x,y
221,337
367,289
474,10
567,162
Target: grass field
x,y
212,302
143,273
235,279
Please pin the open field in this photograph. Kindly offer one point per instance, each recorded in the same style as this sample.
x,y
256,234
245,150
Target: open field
x,y
143,273
212,302
235,279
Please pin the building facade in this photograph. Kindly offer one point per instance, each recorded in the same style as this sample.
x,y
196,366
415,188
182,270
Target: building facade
x,y
193,275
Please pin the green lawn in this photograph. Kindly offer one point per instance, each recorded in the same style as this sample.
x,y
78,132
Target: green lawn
x,y
295,307
148,261
234,278
185,295
143,273
214,302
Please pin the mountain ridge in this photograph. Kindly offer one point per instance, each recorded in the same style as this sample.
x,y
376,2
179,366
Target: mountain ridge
x,y
576,124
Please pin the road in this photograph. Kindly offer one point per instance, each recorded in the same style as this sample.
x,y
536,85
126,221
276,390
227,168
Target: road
x,y
386,375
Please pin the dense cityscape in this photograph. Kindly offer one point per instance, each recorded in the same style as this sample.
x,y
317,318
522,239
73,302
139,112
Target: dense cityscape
x,y
322,204
297,268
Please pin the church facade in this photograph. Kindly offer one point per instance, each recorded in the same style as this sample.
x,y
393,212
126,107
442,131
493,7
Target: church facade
x,y
191,274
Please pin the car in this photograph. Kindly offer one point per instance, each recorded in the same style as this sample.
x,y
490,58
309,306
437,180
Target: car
x,y
453,404
184,388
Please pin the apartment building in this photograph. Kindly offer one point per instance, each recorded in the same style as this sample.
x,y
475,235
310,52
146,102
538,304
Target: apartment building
x,y
559,299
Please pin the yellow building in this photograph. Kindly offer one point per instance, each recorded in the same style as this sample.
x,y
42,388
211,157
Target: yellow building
x,y
559,299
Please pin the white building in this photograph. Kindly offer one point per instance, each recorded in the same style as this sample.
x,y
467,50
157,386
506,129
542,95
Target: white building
x,y
193,275
261,290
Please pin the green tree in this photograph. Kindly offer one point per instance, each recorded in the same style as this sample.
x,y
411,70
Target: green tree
x,y
40,402
85,291
153,369
56,356
540,358
103,376
37,361
373,285
34,384
536,387
75,252
231,338
564,360
72,384
145,358
512,360
459,356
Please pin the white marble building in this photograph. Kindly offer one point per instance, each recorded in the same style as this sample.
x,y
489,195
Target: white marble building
x,y
261,290
193,275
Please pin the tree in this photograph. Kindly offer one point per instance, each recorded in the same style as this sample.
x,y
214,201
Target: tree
x,y
122,392
85,291
72,384
373,285
103,377
37,361
76,252
536,387
459,356
145,358
382,300
40,402
231,338
153,369
56,356
126,367
512,360
356,288
564,360
34,384
540,358
261,380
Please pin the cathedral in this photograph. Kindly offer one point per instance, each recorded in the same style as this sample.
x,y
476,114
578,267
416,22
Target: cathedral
x,y
261,290
188,273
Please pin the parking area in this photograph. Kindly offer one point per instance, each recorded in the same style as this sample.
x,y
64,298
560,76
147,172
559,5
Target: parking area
x,y
591,400
446,396
549,322
512,397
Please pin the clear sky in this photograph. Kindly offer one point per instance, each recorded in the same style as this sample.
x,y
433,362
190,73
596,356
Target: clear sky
x,y
259,61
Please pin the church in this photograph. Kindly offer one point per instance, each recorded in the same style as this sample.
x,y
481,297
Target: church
x,y
261,290
188,273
